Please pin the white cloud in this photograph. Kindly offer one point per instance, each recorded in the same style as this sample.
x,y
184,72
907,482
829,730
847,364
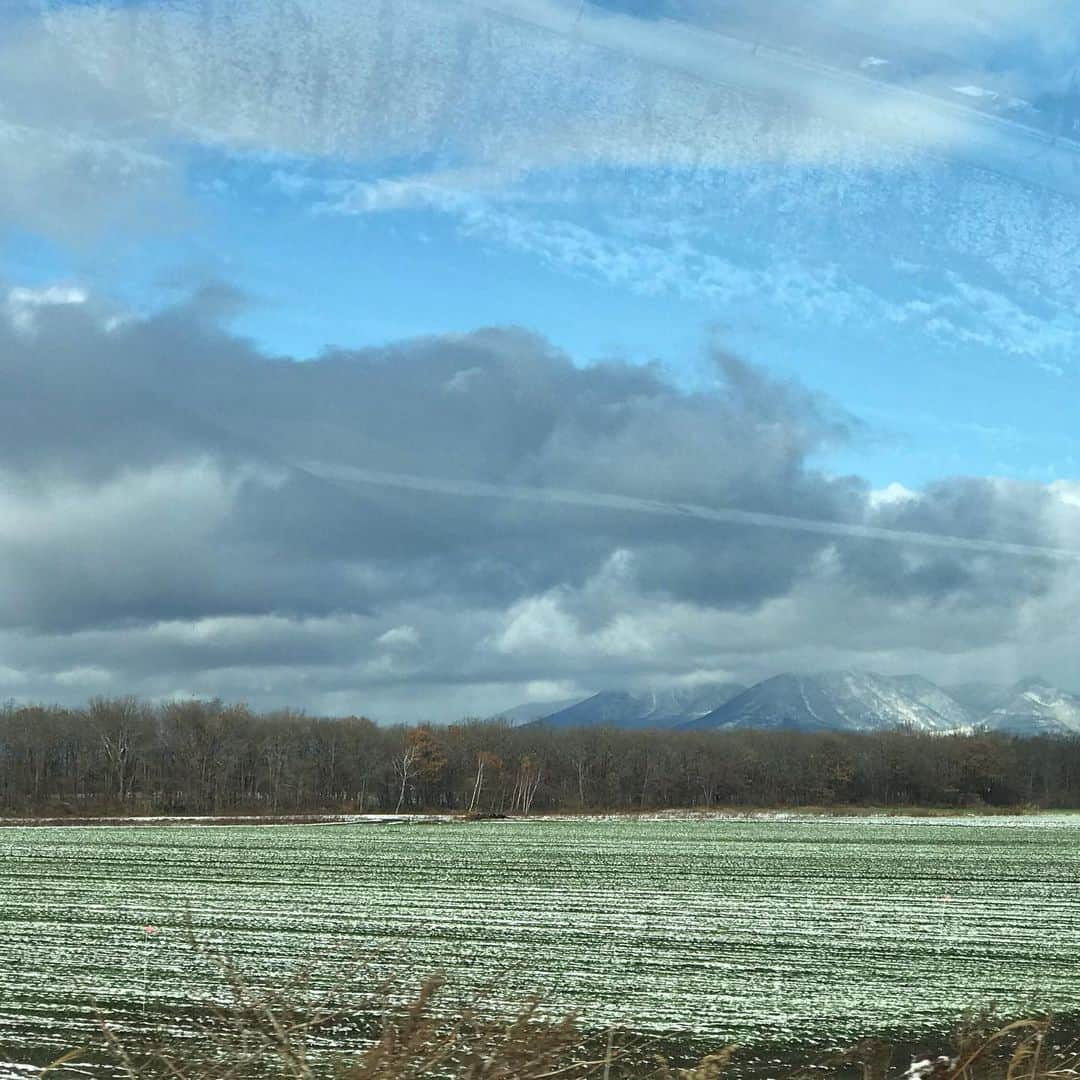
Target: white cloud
x,y
508,86
537,624
461,381
23,304
891,494
86,679
184,501
1068,491
400,637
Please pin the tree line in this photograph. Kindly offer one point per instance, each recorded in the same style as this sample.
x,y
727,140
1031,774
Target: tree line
x,y
122,755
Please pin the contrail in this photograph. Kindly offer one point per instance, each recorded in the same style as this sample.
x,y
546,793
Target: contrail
x,y
350,476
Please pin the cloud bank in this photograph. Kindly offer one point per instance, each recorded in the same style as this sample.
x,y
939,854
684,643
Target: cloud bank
x,y
160,532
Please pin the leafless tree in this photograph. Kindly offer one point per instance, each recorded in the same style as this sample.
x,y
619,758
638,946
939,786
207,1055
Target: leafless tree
x,y
117,723
404,765
207,757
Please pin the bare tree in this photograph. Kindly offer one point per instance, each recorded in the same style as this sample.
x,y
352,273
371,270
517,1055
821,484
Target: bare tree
x,y
529,776
483,760
205,757
403,765
117,722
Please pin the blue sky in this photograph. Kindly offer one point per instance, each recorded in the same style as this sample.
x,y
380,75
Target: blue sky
x,y
315,279
878,207
844,276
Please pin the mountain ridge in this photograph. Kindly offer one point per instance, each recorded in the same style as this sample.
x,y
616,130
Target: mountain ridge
x,y
644,709
839,701
849,700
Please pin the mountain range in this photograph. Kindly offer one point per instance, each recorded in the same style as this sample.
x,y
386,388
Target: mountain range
x,y
663,708
828,701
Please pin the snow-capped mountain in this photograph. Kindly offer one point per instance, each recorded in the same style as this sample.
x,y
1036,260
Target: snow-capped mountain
x,y
644,709
953,709
1036,708
840,701
830,701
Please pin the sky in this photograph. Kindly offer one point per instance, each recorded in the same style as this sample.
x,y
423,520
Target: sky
x,y
420,358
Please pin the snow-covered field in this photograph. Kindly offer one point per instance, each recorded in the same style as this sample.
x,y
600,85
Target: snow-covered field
x,y
821,930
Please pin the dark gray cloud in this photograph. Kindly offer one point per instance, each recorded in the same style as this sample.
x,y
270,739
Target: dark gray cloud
x,y
973,507
158,535
498,407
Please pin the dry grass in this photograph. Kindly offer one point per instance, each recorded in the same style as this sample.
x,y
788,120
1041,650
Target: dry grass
x,y
293,1033
983,1048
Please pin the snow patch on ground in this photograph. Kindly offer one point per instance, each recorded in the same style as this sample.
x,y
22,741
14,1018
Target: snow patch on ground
x,y
237,821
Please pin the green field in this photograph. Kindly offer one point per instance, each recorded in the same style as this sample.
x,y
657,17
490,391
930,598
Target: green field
x,y
815,931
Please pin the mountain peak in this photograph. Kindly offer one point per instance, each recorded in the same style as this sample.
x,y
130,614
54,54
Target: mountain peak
x,y
849,700
1036,707
650,708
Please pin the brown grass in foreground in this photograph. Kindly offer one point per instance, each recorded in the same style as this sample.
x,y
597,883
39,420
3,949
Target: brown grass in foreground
x,y
292,1033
